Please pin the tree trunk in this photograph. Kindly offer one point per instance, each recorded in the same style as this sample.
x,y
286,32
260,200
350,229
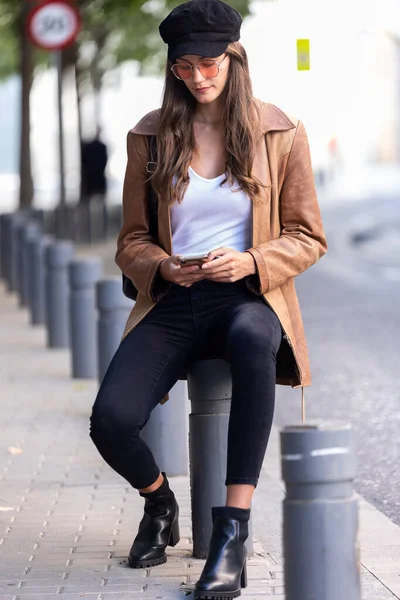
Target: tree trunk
x,y
26,72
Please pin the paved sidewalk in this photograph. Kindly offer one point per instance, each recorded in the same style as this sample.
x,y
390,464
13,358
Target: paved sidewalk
x,y
67,520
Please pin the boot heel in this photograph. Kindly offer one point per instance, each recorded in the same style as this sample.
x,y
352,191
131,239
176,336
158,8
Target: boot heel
x,y
243,577
174,537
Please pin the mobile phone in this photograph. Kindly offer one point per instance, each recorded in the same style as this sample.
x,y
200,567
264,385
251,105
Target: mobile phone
x,y
193,259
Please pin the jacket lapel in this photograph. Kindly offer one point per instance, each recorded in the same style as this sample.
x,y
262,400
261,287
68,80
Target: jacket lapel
x,y
271,119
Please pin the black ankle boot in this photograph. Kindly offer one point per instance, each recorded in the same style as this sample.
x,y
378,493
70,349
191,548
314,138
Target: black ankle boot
x,y
224,573
158,528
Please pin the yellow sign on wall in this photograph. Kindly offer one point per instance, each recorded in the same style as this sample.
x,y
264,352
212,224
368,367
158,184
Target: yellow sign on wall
x,y
303,55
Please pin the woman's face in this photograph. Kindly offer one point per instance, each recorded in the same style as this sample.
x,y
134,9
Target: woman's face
x,y
204,89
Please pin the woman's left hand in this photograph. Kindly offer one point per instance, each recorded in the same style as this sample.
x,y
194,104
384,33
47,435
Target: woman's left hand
x,y
231,265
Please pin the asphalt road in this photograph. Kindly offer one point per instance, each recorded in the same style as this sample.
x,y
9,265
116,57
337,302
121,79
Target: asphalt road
x,y
351,309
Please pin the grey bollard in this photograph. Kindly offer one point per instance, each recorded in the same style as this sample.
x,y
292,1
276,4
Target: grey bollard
x,y
38,216
7,247
30,232
320,513
166,433
210,392
21,282
5,223
113,311
3,245
58,256
83,276
63,229
37,279
17,221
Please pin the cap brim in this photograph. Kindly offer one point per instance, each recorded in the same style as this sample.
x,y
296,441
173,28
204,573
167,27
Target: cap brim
x,y
206,49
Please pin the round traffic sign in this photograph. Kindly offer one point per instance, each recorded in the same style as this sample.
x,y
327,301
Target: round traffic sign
x,y
54,24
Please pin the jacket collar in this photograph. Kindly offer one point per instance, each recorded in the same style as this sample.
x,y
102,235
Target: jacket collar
x,y
272,119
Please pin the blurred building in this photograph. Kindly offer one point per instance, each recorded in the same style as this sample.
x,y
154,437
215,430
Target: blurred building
x,y
388,96
352,92
349,100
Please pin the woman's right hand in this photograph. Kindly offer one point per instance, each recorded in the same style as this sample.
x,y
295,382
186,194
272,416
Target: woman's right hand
x,y
171,270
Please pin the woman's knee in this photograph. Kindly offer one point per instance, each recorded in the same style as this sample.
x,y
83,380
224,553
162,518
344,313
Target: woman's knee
x,y
111,421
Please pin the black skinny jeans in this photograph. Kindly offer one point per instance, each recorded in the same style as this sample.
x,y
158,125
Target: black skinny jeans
x,y
216,319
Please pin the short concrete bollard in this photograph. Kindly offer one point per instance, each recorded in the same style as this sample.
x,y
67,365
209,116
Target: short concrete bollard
x,y
4,243
58,257
37,278
38,216
31,231
83,276
320,513
62,222
210,392
22,284
15,223
170,451
6,232
19,224
114,309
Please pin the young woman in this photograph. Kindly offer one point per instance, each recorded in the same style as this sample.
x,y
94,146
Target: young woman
x,y
233,182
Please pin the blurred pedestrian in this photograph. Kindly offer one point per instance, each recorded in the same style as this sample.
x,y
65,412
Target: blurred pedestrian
x,y
237,219
94,157
94,162
335,159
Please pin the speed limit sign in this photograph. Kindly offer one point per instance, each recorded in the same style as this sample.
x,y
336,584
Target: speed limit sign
x,y
54,24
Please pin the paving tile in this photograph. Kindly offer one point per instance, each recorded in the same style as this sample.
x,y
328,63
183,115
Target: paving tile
x,y
73,519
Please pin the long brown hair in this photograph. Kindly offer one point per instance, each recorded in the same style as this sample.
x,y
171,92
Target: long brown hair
x,y
175,139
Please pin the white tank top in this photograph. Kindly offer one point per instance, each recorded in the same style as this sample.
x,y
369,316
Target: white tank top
x,y
210,217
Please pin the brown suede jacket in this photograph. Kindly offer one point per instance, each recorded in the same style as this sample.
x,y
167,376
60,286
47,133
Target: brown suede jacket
x,y
287,234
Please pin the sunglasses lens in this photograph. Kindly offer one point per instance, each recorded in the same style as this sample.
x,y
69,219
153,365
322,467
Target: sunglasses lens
x,y
182,71
208,69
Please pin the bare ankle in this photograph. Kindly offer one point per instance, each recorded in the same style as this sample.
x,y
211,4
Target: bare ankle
x,y
239,495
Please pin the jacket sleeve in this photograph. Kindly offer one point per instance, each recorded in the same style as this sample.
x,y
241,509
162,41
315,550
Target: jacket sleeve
x,y
302,240
138,254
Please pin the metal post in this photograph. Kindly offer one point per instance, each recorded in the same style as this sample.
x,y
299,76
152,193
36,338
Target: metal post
x,y
84,274
31,232
320,513
170,450
37,279
210,392
114,309
58,60
58,257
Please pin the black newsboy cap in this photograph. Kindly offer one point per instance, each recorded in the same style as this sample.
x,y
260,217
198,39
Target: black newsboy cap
x,y
203,27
